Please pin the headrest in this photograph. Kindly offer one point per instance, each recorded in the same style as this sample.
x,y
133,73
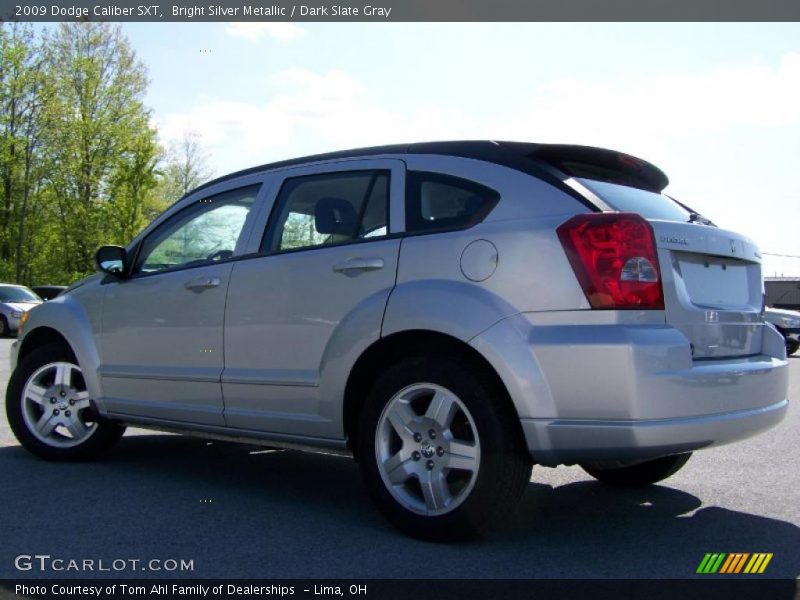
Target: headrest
x,y
335,216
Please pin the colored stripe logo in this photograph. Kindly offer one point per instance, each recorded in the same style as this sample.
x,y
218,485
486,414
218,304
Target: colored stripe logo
x,y
734,563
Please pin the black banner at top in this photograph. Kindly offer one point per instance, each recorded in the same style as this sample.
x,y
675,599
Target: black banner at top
x,y
400,10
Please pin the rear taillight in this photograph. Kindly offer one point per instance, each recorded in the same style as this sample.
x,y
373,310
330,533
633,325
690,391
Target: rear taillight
x,y
614,258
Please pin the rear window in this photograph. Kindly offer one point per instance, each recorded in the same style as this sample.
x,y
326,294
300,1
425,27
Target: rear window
x,y
627,199
436,202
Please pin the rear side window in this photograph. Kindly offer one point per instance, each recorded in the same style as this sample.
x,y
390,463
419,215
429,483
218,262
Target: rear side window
x,y
629,199
331,208
436,202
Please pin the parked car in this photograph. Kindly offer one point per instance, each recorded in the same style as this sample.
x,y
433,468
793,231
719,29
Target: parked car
x,y
15,301
449,313
787,322
48,292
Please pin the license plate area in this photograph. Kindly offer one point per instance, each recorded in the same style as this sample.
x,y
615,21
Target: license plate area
x,y
718,282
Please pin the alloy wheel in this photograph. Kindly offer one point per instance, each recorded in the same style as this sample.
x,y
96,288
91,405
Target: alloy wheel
x,y
427,449
55,405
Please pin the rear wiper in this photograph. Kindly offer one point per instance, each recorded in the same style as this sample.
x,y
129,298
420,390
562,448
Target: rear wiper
x,y
694,216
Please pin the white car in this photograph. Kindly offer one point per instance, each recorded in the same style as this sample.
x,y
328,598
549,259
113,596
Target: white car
x,y
787,322
14,301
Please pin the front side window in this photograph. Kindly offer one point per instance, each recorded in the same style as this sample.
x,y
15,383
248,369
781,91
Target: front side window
x,y
205,232
330,208
436,202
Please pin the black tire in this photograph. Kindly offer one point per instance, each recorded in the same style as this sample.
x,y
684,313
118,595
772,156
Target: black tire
x,y
5,330
640,474
106,434
504,468
792,345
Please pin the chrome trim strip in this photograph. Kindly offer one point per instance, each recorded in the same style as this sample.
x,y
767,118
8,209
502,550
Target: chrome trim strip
x,y
588,194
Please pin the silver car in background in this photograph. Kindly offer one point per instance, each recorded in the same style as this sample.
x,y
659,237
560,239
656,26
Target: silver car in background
x,y
15,300
450,313
787,322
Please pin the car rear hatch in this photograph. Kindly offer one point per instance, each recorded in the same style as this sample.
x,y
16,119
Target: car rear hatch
x,y
711,277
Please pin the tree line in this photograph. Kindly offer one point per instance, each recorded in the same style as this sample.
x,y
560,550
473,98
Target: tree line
x,y
80,160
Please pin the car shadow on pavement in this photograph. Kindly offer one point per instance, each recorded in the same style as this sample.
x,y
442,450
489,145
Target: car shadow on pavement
x,y
655,531
243,511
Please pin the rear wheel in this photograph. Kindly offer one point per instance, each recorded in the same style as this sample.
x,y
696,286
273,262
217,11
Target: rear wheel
x,y
440,449
640,474
50,411
792,345
5,330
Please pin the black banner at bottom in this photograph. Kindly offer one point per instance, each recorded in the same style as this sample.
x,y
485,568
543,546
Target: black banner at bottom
x,y
400,589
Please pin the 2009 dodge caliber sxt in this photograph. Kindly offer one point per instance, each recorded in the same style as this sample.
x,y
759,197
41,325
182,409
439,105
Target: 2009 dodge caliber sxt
x,y
451,313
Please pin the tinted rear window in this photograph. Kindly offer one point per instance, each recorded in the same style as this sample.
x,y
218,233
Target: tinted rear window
x,y
436,202
627,199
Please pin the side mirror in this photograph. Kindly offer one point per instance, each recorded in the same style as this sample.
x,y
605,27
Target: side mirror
x,y
112,260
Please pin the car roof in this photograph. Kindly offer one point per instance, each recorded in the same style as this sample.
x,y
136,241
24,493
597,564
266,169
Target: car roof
x,y
550,162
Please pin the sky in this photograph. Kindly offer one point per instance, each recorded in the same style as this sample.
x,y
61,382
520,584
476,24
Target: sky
x,y
716,106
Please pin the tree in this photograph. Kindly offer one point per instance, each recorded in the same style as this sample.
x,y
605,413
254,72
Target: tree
x,y
98,138
20,79
80,165
133,201
186,166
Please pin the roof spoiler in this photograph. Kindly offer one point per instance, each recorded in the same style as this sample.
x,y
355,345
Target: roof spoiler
x,y
596,163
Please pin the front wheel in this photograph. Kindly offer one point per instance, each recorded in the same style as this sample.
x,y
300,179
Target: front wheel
x,y
49,408
792,345
440,449
640,474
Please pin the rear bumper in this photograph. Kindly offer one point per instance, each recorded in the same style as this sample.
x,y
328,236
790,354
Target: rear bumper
x,y
616,387
564,441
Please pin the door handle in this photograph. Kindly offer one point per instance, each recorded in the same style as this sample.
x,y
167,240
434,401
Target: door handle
x,y
198,284
358,264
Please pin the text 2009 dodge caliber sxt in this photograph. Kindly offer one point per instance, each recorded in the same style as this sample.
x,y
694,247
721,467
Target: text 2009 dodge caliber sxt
x,y
451,313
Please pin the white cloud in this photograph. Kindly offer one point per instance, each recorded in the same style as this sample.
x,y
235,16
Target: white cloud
x,y
284,32
651,117
758,95
335,109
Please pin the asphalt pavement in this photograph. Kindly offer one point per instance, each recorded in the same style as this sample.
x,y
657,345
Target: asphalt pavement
x,y
241,511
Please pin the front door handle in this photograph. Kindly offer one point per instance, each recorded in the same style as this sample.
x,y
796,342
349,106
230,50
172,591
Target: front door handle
x,y
358,264
198,284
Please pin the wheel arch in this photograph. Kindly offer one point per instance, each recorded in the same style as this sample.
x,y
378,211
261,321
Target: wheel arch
x,y
388,350
40,337
67,322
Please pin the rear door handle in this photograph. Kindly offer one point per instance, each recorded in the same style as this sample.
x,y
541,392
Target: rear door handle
x,y
198,284
358,264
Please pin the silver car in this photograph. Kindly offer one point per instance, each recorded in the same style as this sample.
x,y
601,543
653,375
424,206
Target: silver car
x,y
15,300
787,322
448,313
